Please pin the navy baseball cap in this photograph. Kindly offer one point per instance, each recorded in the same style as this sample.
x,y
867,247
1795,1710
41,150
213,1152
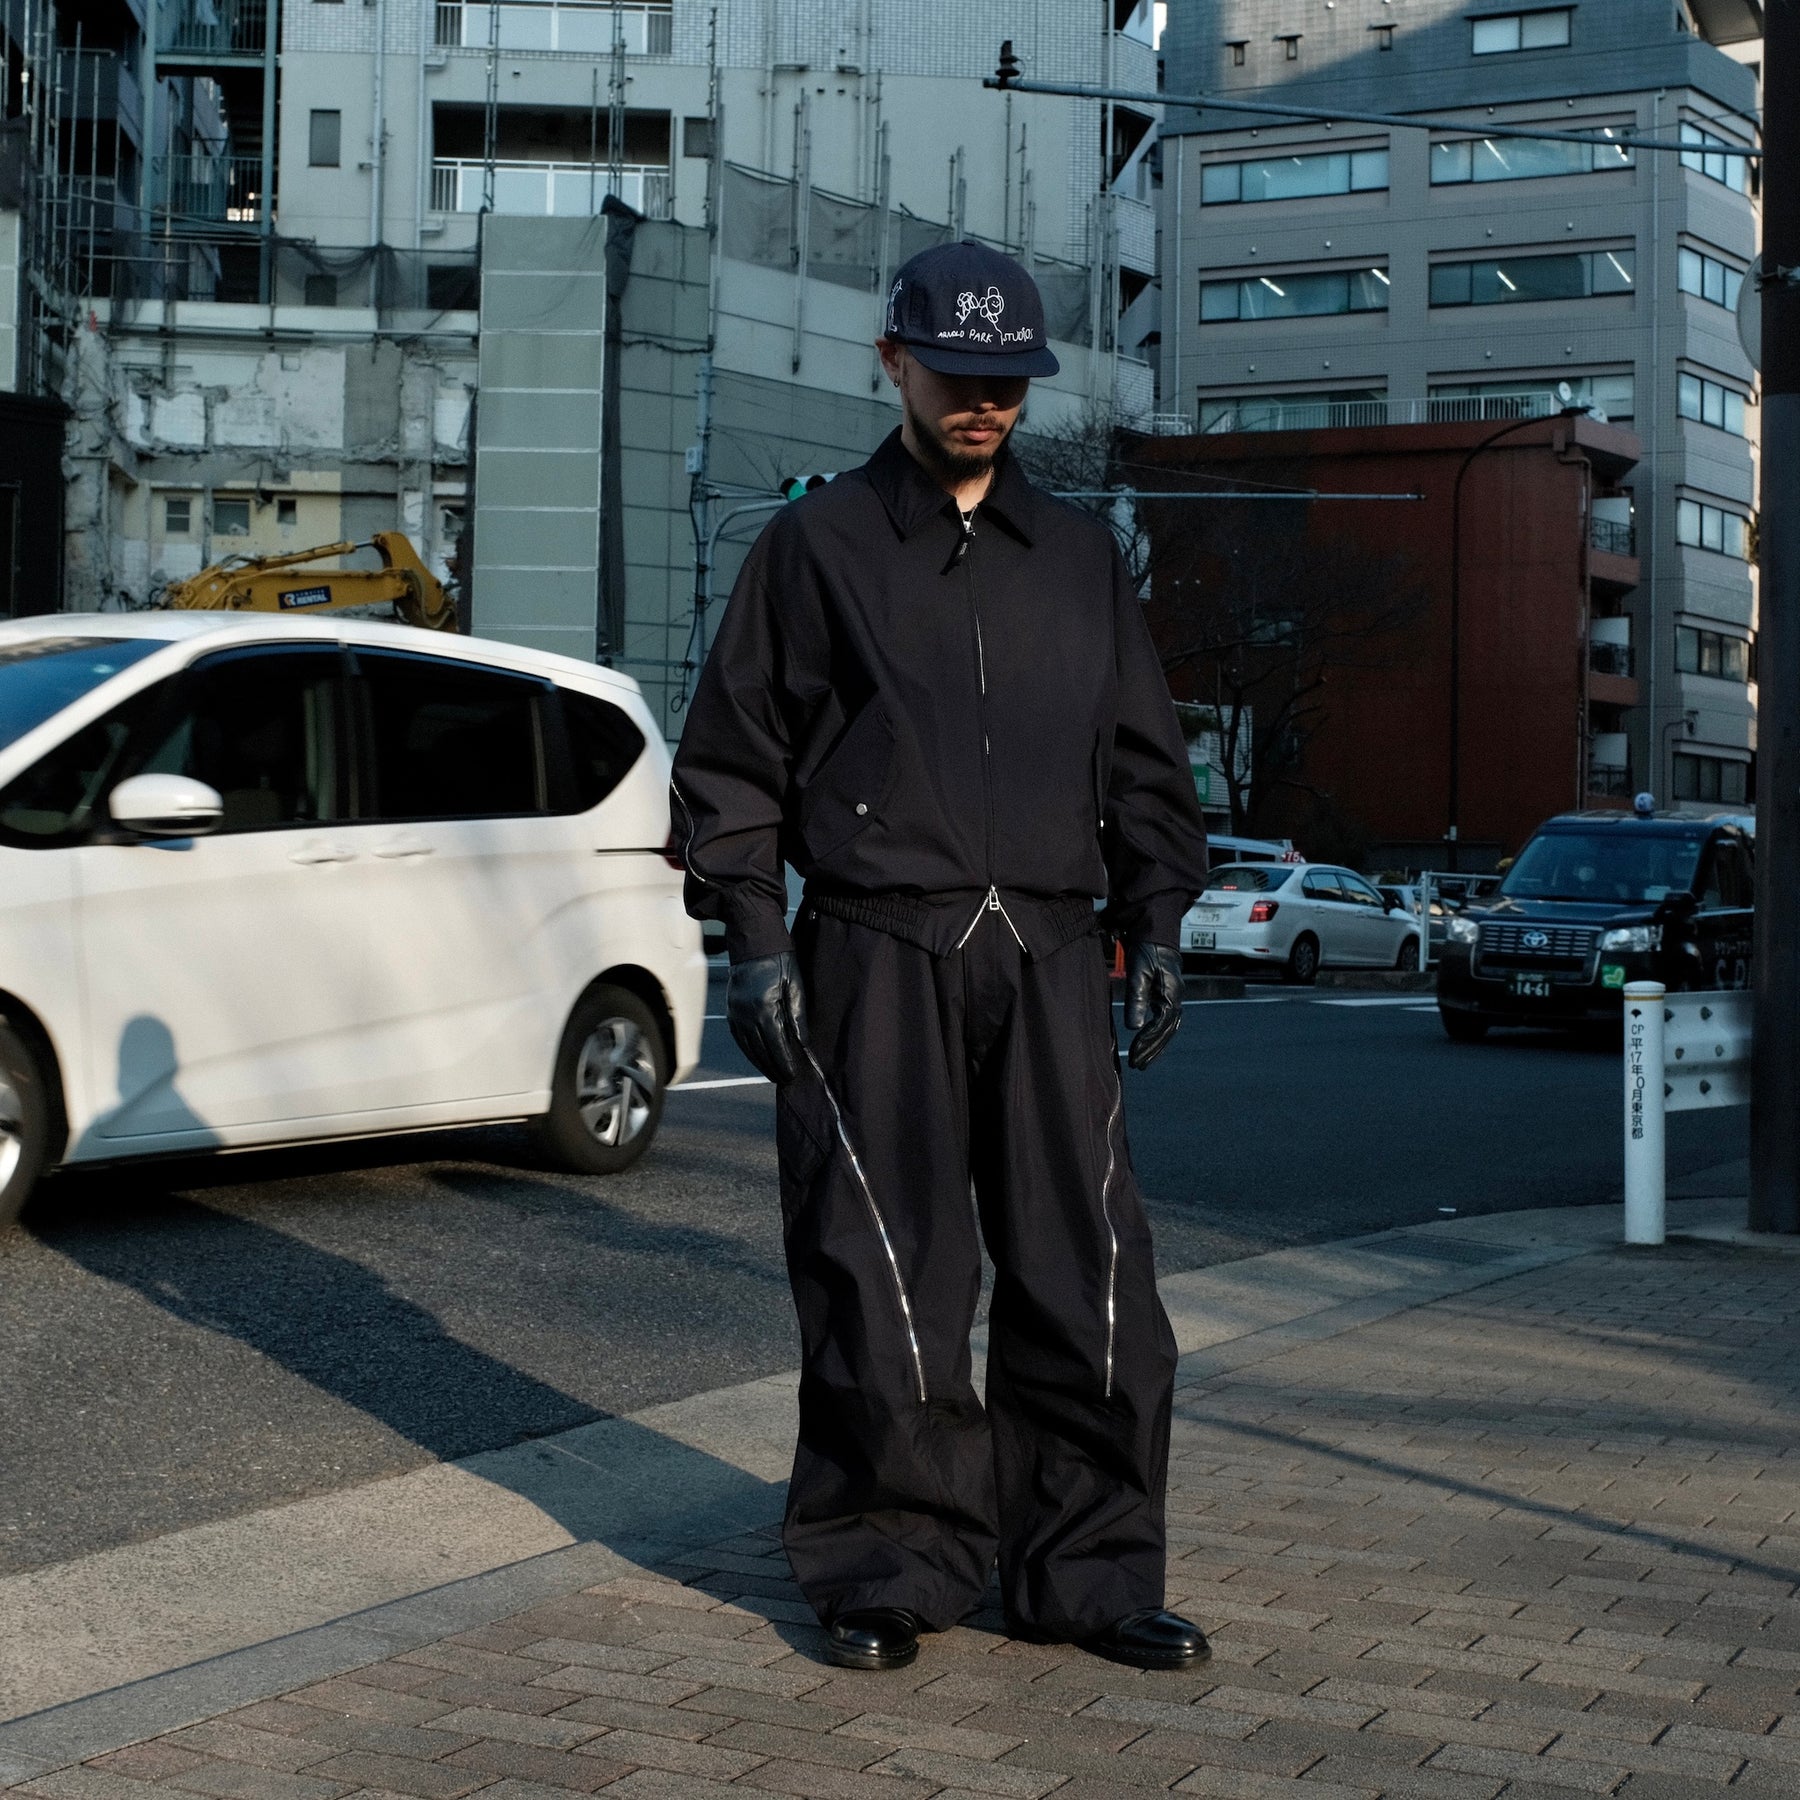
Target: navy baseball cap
x,y
963,309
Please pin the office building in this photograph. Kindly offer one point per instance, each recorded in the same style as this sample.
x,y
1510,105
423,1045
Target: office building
x,y
1355,274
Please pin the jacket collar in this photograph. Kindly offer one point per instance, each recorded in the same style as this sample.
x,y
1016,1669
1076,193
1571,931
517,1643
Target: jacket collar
x,y
911,496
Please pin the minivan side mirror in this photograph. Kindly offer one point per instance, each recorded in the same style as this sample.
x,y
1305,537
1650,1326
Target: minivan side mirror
x,y
165,806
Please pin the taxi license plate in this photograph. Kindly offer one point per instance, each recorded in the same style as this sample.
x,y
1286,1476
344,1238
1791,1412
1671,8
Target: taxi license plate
x,y
1531,987
1202,940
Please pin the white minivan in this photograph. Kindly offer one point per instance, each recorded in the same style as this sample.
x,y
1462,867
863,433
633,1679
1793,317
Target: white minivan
x,y
270,880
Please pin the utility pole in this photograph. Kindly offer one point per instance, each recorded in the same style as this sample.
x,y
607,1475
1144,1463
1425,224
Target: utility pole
x,y
1775,1082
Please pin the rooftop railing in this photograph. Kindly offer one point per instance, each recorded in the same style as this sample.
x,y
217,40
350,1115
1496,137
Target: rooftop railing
x,y
565,25
547,189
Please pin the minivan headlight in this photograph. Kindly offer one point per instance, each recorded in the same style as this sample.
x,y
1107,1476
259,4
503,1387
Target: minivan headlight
x,y
1633,937
1462,931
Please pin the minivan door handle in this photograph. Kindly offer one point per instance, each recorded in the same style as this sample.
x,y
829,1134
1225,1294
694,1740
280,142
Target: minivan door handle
x,y
320,850
404,843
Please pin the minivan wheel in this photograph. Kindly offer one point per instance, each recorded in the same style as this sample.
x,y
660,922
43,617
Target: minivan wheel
x,y
606,1097
24,1123
1303,961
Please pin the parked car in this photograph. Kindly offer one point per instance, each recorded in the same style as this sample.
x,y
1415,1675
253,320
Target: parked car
x,y
1296,918
278,880
1405,896
1596,900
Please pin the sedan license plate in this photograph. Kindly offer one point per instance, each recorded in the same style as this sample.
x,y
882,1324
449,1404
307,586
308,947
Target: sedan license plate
x,y
1531,987
1202,940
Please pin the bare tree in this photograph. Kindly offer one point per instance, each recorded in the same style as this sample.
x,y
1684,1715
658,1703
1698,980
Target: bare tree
x,y
1259,617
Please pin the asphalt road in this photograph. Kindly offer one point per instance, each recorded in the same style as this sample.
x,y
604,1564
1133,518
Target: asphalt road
x,y
182,1342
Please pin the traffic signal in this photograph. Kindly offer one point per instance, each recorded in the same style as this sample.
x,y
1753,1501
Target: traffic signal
x,y
796,485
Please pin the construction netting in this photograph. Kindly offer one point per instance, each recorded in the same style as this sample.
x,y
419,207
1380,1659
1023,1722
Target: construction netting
x,y
761,221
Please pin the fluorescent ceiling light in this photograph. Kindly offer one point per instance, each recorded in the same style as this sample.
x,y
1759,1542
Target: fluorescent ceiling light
x,y
1273,289
1511,287
1624,273
1381,276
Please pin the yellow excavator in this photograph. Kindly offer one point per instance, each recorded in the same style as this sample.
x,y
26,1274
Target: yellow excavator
x,y
270,584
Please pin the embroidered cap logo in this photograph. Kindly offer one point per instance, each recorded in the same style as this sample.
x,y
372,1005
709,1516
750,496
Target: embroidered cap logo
x,y
990,305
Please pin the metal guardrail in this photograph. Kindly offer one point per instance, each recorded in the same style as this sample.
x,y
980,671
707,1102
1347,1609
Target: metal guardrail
x,y
219,27
562,25
1326,414
547,190
1610,659
1683,1052
216,189
1613,537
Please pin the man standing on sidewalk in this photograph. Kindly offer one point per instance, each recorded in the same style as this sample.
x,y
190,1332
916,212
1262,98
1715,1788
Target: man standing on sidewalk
x,y
933,694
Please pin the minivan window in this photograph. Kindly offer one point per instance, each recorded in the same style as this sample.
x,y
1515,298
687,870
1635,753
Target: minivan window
x,y
38,679
603,744
1637,868
450,740
1248,878
260,726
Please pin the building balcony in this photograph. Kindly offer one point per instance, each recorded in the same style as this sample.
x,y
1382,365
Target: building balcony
x,y
214,190
546,189
554,25
215,31
1611,674
1613,565
1135,222
1616,537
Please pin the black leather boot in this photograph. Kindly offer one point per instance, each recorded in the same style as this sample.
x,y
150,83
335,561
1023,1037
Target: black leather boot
x,y
1151,1640
873,1637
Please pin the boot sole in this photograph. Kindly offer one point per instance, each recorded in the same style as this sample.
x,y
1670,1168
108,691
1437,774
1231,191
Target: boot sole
x,y
872,1661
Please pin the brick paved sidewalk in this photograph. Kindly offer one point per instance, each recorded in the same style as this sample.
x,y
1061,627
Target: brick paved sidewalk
x,y
1535,1540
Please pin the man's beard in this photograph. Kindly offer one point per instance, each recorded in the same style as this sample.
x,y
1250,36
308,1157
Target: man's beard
x,y
949,465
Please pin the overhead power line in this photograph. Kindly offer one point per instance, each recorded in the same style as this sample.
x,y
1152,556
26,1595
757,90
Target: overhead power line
x,y
1009,80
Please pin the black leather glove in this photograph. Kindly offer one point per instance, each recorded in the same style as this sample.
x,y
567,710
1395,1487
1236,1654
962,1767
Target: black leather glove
x,y
767,1014
1153,991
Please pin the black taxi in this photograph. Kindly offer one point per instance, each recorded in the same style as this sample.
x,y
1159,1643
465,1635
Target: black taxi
x,y
1597,899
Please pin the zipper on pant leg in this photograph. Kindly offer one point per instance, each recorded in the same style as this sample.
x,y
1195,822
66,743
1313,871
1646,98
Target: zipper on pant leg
x,y
887,1243
1112,1236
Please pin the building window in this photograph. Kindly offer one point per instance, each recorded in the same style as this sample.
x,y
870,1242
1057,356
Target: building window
x,y
1711,403
1523,159
1384,36
1294,177
1503,32
1715,653
1292,42
1714,778
1294,296
1703,159
697,136
1708,278
1576,275
1703,527
324,139
1239,49
178,516
231,518
287,510
321,290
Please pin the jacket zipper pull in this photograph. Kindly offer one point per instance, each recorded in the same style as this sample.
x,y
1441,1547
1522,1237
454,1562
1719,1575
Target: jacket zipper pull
x,y
993,904
968,537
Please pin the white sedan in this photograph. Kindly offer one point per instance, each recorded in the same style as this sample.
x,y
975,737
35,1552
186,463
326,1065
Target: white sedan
x,y
274,880
1297,918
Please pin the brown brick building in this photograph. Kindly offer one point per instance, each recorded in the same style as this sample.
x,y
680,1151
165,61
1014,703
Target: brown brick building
x,y
1328,624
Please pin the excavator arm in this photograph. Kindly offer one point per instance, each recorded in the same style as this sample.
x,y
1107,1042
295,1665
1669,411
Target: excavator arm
x,y
278,584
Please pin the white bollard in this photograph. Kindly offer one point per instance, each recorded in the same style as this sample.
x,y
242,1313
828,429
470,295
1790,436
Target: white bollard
x,y
1645,1170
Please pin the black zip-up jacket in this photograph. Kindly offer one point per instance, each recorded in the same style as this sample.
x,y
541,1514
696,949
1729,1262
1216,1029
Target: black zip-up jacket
x,y
921,717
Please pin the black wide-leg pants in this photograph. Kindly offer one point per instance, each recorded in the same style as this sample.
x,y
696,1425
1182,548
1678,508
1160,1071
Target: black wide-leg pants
x,y
930,1076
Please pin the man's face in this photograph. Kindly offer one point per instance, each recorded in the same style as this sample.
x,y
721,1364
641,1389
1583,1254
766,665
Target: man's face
x,y
958,421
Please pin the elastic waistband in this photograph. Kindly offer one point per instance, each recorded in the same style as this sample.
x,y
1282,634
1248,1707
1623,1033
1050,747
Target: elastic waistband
x,y
936,923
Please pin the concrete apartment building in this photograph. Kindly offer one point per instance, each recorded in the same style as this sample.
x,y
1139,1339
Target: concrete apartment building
x,y
1352,275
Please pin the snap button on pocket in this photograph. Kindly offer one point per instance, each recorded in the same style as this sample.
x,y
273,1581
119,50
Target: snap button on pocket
x,y
862,806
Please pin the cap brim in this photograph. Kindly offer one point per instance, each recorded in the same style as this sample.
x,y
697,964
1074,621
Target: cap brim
x,y
985,362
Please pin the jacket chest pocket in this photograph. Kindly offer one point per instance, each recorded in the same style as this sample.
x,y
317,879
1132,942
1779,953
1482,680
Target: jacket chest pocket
x,y
849,789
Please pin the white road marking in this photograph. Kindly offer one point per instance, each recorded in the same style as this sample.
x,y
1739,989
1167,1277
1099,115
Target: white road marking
x,y
693,1087
1382,1000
